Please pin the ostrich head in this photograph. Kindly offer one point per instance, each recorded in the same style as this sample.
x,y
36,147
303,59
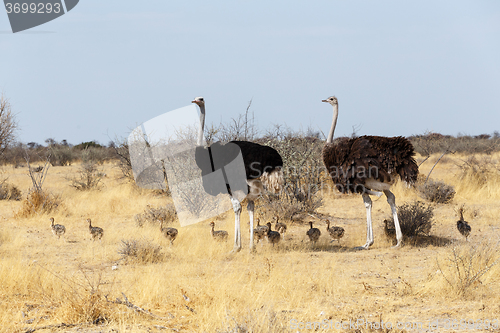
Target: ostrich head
x,y
51,220
212,224
332,100
199,101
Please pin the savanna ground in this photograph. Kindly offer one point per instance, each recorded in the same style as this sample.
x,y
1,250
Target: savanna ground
x,y
69,284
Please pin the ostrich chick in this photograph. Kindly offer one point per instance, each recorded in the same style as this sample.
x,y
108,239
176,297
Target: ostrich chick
x,y
272,236
313,233
335,232
218,235
280,226
169,233
57,229
260,231
96,232
462,226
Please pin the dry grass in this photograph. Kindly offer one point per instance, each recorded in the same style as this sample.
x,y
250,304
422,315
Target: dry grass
x,y
199,287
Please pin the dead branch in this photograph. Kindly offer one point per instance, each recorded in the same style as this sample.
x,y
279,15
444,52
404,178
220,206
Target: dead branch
x,y
439,159
30,330
134,307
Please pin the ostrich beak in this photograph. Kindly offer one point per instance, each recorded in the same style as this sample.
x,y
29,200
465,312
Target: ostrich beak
x,y
324,100
193,101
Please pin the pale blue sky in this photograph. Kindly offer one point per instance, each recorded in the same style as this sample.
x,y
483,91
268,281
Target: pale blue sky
x,y
397,67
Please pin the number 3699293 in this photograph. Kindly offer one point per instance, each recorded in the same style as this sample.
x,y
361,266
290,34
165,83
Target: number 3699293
x,y
33,8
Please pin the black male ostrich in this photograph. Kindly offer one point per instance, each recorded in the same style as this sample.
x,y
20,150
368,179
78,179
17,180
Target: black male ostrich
x,y
263,167
368,165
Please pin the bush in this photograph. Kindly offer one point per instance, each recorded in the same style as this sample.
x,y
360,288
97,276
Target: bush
x,y
88,179
140,251
437,191
122,155
94,155
302,172
415,219
61,155
38,202
152,215
8,191
478,172
466,264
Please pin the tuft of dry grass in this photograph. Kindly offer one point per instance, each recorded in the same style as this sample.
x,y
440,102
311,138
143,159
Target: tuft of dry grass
x,y
152,215
9,191
140,251
39,202
467,266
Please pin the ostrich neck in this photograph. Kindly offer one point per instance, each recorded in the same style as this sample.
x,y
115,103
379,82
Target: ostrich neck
x,y
202,127
334,123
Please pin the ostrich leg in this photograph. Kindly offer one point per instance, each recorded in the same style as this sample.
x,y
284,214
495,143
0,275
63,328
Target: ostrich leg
x,y
237,226
391,199
369,228
250,208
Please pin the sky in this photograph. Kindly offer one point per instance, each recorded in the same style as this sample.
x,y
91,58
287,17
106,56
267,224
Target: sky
x,y
396,67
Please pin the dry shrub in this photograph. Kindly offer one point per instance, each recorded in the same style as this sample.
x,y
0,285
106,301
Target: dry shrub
x,y
140,251
89,177
89,305
39,202
437,191
303,172
61,155
286,207
76,298
466,264
478,172
152,215
9,191
415,219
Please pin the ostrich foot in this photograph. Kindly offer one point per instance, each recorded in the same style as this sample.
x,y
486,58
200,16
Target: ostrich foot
x,y
236,249
397,246
364,247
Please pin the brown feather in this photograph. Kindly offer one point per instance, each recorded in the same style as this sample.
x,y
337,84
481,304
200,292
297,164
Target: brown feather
x,y
351,161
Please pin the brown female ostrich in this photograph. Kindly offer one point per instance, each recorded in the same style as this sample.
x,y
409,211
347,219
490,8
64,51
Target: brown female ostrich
x,y
369,165
462,226
263,166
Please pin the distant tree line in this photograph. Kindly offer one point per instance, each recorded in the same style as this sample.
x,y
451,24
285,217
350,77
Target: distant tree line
x,y
432,143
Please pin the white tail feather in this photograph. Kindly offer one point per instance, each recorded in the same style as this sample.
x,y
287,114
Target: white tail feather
x,y
273,181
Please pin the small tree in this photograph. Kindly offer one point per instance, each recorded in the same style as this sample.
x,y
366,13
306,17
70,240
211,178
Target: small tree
x,y
8,124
